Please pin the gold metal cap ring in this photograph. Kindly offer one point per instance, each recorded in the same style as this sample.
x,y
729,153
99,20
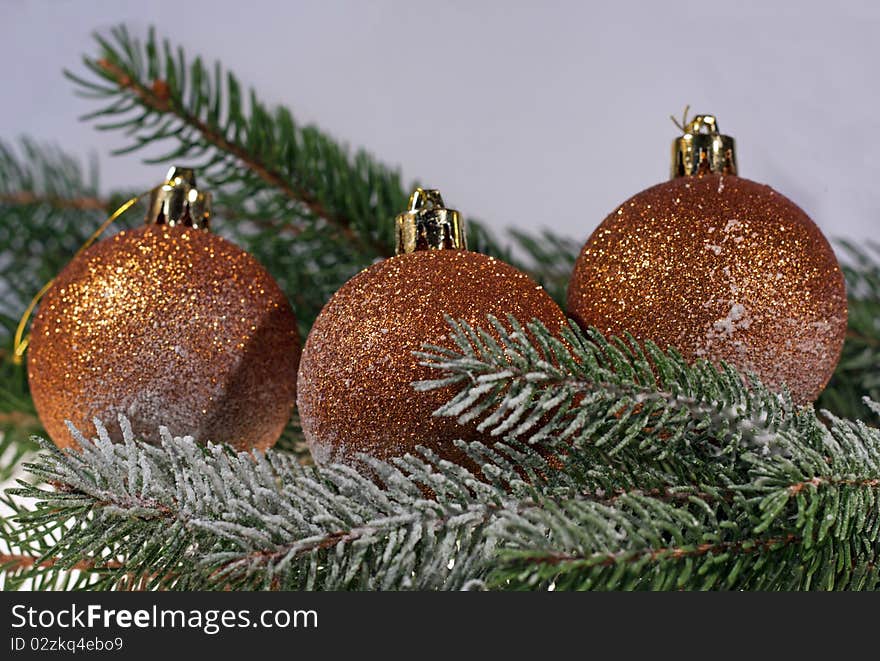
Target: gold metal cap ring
x,y
429,225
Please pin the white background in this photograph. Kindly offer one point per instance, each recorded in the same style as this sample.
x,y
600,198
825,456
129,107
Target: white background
x,y
522,113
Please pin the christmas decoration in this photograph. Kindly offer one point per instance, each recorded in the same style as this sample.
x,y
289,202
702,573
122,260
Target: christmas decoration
x,y
358,367
599,467
169,325
718,267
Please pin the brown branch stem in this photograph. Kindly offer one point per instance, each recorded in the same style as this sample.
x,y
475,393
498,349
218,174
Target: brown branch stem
x,y
86,203
864,339
662,553
868,483
17,561
159,99
680,495
19,419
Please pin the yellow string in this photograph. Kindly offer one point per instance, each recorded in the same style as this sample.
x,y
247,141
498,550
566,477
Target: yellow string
x,y
21,341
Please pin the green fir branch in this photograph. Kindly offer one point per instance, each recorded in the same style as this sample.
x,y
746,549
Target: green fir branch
x,y
605,397
807,520
181,516
858,372
719,511
260,160
606,464
777,501
49,206
288,186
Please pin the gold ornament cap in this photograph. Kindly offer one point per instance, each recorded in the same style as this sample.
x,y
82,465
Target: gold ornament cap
x,y
429,225
179,202
702,149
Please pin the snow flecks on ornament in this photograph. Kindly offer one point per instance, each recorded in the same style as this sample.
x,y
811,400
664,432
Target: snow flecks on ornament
x,y
732,321
711,244
723,330
732,225
728,233
329,451
171,326
366,337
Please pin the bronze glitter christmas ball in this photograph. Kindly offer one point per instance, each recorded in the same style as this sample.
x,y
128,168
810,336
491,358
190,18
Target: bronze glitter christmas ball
x,y
169,326
721,268
355,379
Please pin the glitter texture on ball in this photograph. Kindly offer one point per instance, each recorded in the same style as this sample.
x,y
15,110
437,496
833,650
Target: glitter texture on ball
x,y
721,268
355,379
170,326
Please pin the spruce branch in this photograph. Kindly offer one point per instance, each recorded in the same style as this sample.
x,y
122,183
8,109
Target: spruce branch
x,y
797,532
183,517
155,95
180,516
268,170
158,98
768,477
606,397
782,529
27,198
858,372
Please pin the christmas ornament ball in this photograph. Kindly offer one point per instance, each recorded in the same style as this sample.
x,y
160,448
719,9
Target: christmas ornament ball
x,y
721,268
167,325
355,392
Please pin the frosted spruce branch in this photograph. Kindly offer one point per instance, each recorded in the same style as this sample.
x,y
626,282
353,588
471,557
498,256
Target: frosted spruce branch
x,y
793,486
858,372
542,515
601,395
804,520
182,516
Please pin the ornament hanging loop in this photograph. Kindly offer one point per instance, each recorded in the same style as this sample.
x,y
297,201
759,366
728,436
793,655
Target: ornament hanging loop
x,y
429,225
702,149
21,341
175,201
